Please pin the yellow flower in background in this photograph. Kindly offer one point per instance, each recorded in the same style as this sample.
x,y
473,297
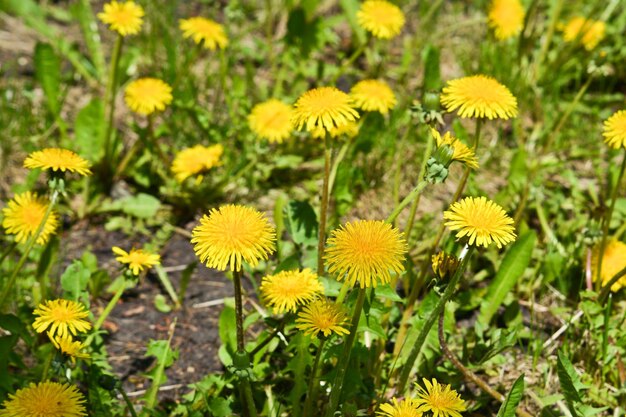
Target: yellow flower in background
x,y
196,160
271,120
286,290
506,18
147,95
57,159
233,234
61,317
615,130
613,261
404,408
325,107
68,346
350,130
45,399
137,259
592,31
439,399
479,96
24,213
461,152
383,19
366,251
373,95
322,316
125,18
204,30
481,220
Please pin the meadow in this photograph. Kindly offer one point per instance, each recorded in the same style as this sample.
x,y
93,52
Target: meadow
x,y
312,208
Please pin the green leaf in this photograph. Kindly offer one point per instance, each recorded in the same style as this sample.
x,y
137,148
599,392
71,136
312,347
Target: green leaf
x,y
220,407
226,324
165,357
432,72
83,13
74,280
301,223
512,399
569,381
160,303
48,74
513,265
88,126
386,291
142,206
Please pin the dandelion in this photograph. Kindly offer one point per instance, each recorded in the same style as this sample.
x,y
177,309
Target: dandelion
x,y
440,400
45,399
286,290
204,30
232,234
592,31
506,18
325,107
271,120
613,261
373,95
61,317
615,130
404,408
196,160
68,346
57,159
482,220
23,215
137,259
460,153
366,251
124,18
349,130
147,95
322,316
383,19
479,96
444,265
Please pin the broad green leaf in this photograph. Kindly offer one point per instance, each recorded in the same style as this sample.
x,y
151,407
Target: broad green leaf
x,y
386,291
301,223
569,380
165,357
160,303
512,399
88,127
226,324
513,265
74,280
84,14
48,74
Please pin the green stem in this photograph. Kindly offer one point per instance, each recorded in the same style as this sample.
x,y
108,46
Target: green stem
x,y
432,318
397,176
342,293
606,289
407,200
129,404
311,396
335,165
105,313
344,360
323,208
549,35
29,246
413,212
109,100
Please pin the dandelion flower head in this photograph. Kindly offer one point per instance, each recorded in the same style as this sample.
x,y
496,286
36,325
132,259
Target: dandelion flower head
x,y
233,234
481,220
383,19
23,215
592,31
373,95
271,120
61,317
137,259
57,159
68,346
506,18
461,152
286,290
479,96
613,261
615,130
45,399
147,95
366,251
204,30
322,316
324,107
196,160
439,399
404,408
125,18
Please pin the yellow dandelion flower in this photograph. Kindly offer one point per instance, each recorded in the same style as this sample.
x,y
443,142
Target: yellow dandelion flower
x,y
45,399
615,130
373,95
322,316
460,153
613,261
57,159
124,18
404,408
325,107
440,400
204,30
286,290
61,317
147,95
68,346
271,120
592,31
479,96
24,213
482,220
349,130
196,160
383,19
366,251
137,259
506,18
232,234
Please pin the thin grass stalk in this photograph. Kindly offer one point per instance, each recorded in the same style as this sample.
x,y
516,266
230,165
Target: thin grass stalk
x,y
106,312
129,404
109,99
415,193
397,175
413,212
313,388
323,207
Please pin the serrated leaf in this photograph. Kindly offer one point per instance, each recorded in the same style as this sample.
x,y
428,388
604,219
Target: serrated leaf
x,y
512,399
88,128
568,379
220,407
74,280
48,74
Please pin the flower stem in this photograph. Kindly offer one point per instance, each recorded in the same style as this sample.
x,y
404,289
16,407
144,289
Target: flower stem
x,y
29,246
407,200
109,100
344,360
413,212
311,396
323,208
129,404
107,310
